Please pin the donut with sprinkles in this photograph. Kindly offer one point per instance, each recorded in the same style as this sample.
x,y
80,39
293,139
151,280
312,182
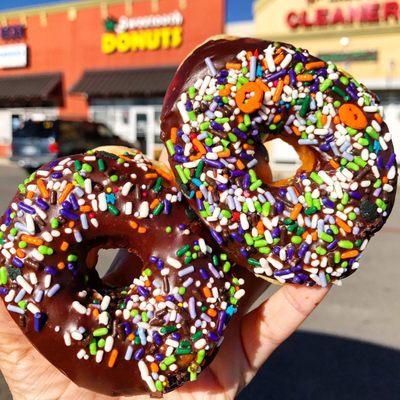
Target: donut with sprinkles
x,y
147,327
227,100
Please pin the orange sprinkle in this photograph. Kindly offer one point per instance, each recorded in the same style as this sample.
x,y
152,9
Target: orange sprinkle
x,y
85,209
42,188
260,227
142,229
95,313
113,358
385,179
239,164
30,195
153,367
211,312
64,246
249,54
324,119
154,204
207,292
224,154
336,119
277,118
199,195
60,265
133,224
286,80
247,146
296,211
315,65
349,254
343,225
199,146
279,58
262,85
71,224
20,253
233,66
277,95
32,240
174,134
304,235
296,130
226,91
151,176
304,78
378,117
131,337
314,236
334,164
65,193
159,298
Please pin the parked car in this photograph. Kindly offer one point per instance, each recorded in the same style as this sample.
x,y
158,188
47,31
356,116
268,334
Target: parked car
x,y
38,142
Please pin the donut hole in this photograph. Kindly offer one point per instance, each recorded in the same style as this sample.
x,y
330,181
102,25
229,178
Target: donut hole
x,y
286,159
114,266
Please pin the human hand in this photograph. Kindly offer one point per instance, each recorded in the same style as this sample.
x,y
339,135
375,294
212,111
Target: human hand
x,y
249,341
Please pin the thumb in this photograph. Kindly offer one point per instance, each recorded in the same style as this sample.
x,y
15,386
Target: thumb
x,y
266,327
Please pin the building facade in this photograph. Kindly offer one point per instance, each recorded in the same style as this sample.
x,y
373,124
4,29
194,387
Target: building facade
x,y
361,36
106,60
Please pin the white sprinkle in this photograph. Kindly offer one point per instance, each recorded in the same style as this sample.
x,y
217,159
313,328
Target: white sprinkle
x,y
78,307
67,339
99,356
105,303
32,308
102,202
173,262
200,344
24,284
109,344
144,209
126,188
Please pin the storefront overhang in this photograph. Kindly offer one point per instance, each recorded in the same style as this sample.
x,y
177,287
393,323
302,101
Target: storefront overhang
x,y
123,83
33,90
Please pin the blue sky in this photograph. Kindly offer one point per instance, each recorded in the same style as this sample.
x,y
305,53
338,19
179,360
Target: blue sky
x,y
236,10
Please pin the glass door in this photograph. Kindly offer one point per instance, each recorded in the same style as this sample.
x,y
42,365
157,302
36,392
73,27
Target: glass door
x,y
145,122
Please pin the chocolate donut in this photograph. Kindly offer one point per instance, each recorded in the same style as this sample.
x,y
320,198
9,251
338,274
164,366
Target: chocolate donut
x,y
231,96
147,328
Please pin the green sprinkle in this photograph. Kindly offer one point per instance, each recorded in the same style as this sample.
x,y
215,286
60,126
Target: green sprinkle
x,y
266,207
305,106
199,169
226,267
182,250
296,239
345,244
381,204
316,178
372,132
22,244
256,184
337,257
253,262
79,179
181,174
326,84
168,329
3,276
100,332
101,164
170,147
200,356
168,229
87,167
196,336
114,178
325,237
159,385
77,165
72,258
93,347
113,210
320,250
54,223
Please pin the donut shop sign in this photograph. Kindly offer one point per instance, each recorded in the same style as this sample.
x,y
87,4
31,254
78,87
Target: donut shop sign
x,y
344,15
147,33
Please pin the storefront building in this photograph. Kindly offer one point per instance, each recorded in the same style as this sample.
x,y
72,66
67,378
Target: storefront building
x,y
106,60
361,36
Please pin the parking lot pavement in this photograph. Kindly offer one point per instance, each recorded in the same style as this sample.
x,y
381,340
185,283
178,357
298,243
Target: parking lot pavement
x,y
366,308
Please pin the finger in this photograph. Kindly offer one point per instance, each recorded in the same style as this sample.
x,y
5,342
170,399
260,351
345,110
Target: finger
x,y
266,327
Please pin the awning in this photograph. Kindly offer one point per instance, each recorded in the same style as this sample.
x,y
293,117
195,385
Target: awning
x,y
141,82
31,90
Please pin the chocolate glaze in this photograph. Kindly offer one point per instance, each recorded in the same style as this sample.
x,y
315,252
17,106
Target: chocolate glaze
x,y
368,221
77,276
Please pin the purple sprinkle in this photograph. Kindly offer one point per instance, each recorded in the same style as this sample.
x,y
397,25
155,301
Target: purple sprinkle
x,y
50,270
74,202
176,336
328,203
244,252
69,215
221,322
42,204
213,336
292,76
276,75
3,291
279,207
355,195
282,272
158,356
391,161
302,250
143,291
139,353
26,208
56,175
216,126
67,205
204,274
39,320
153,259
237,238
17,262
213,163
332,245
218,238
